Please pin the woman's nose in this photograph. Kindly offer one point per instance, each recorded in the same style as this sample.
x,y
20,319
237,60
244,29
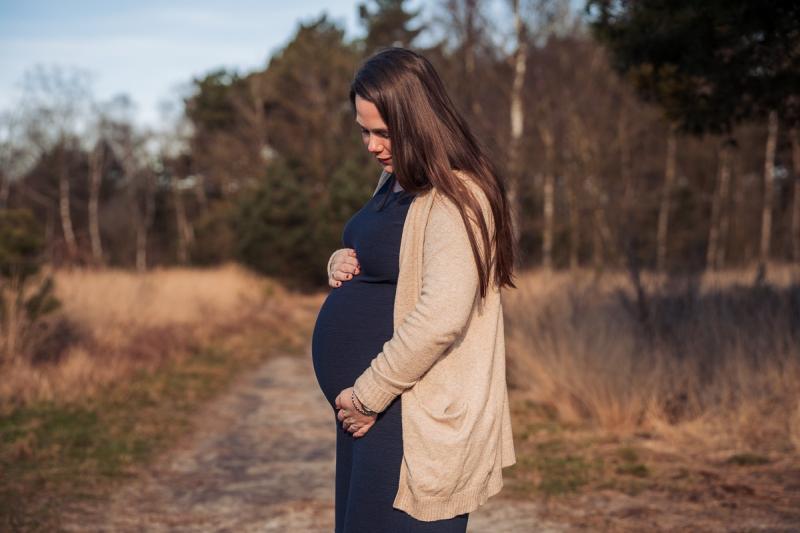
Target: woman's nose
x,y
374,146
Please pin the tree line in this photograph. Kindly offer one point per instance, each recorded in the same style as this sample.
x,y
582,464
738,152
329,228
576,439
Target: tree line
x,y
649,133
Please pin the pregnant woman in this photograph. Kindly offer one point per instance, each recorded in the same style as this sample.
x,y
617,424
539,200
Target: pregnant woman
x,y
408,348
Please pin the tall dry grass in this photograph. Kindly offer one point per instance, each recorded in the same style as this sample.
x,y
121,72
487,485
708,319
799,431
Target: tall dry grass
x,y
713,360
115,321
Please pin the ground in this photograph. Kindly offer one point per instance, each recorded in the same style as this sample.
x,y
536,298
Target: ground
x,y
262,459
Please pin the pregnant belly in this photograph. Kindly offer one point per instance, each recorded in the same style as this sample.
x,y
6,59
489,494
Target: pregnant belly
x,y
352,325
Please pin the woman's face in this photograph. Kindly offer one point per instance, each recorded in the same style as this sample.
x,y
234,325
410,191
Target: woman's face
x,y
374,132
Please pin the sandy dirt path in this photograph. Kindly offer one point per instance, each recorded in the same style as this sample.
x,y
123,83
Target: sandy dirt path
x,y
263,459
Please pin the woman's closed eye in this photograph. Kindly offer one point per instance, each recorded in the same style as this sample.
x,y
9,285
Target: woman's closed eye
x,y
383,134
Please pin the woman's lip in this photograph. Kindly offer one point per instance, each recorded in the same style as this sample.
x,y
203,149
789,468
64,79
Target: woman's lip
x,y
384,160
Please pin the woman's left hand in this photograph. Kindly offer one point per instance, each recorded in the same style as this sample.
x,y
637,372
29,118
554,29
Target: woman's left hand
x,y
352,420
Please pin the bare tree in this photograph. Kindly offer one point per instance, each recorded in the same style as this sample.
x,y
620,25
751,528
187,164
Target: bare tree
x,y
769,184
666,198
548,18
131,150
547,137
56,99
577,154
625,170
520,59
174,142
466,31
97,139
95,178
586,152
795,140
717,233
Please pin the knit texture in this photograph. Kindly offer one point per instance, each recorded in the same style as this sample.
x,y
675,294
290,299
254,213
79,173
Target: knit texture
x,y
447,359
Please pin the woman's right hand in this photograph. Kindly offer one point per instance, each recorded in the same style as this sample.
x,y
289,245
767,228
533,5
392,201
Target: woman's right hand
x,y
343,266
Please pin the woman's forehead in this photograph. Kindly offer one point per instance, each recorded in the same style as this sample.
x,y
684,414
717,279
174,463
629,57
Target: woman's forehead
x,y
367,114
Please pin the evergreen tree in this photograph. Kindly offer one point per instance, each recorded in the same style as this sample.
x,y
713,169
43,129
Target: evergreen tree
x,y
387,24
708,64
310,121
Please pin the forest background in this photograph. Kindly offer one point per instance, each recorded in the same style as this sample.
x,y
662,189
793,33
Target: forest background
x,y
651,152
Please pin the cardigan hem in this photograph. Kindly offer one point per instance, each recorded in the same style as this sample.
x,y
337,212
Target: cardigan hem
x,y
433,508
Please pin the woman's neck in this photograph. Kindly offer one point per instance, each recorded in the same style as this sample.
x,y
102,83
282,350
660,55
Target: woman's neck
x,y
395,184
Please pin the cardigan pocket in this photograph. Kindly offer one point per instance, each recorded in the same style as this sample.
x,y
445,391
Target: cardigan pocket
x,y
440,429
439,404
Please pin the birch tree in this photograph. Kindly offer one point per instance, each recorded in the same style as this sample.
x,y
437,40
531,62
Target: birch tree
x,y
520,59
56,100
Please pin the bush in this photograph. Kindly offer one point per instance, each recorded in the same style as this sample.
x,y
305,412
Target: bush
x,y
25,301
279,231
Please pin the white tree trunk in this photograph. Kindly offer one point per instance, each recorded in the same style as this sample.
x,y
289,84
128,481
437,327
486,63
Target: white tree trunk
x,y
517,121
64,208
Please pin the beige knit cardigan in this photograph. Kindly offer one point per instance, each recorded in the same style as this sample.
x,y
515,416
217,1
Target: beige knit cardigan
x,y
447,359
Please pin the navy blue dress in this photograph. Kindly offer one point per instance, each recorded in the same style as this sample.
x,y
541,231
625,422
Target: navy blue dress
x,y
353,323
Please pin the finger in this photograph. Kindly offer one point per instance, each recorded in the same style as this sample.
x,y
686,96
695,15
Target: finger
x,y
342,275
343,261
356,264
350,266
344,270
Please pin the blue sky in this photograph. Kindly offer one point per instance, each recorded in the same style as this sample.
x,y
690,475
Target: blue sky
x,y
147,48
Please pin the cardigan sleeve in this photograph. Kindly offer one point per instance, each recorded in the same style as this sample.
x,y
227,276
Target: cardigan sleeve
x,y
442,311
330,260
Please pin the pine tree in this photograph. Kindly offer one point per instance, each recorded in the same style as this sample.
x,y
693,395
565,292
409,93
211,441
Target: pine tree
x,y
388,24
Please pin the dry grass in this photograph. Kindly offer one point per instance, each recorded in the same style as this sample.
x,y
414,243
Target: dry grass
x,y
711,362
120,371
114,321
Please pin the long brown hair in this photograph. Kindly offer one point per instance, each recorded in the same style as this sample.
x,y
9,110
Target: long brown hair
x,y
430,140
